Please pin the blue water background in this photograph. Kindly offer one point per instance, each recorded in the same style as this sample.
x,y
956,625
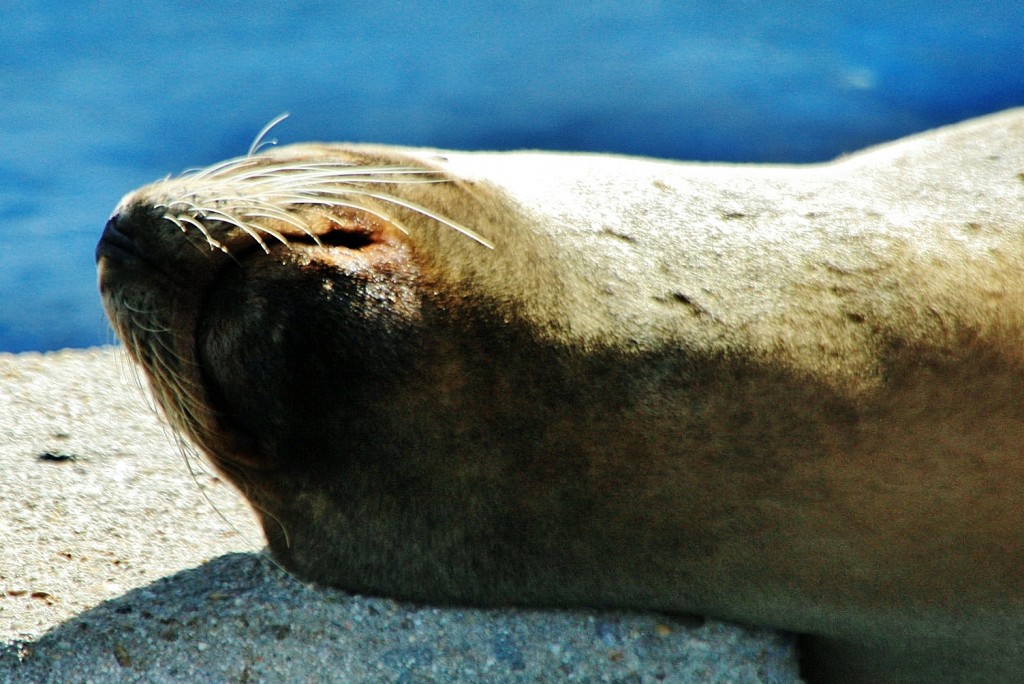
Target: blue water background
x,y
98,98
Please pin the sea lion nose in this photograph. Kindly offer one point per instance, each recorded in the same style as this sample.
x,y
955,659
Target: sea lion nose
x,y
116,237
129,245
139,242
136,231
142,232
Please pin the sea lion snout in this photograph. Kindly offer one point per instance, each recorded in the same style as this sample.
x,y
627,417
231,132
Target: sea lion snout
x,y
202,278
138,237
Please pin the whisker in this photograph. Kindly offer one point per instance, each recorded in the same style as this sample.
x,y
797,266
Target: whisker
x,y
213,242
347,204
247,192
246,228
420,209
174,219
259,142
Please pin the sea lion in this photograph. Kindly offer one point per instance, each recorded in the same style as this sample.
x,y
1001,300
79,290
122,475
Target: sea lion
x,y
783,395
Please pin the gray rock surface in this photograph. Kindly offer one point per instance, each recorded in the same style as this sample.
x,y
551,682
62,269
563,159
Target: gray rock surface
x,y
124,559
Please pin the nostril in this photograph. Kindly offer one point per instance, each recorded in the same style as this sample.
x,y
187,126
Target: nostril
x,y
114,238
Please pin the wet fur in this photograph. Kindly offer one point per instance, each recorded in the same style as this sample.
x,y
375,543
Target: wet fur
x,y
782,395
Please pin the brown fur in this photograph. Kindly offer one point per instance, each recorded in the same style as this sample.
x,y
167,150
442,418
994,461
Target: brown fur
x,y
781,395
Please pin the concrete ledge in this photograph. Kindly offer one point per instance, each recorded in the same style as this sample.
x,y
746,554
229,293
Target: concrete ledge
x,y
118,564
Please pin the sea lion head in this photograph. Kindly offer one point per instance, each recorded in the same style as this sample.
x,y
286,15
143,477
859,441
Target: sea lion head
x,y
205,274
299,316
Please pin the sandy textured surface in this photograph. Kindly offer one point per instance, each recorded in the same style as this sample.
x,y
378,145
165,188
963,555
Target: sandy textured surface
x,y
118,564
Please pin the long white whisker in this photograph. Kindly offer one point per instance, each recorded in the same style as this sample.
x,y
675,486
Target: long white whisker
x,y
333,171
202,229
218,168
258,142
246,192
348,204
248,229
176,221
420,209
272,212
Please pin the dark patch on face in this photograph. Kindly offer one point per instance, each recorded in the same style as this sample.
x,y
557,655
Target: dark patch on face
x,y
287,342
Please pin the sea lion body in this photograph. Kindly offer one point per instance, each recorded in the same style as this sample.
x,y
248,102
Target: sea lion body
x,y
781,395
